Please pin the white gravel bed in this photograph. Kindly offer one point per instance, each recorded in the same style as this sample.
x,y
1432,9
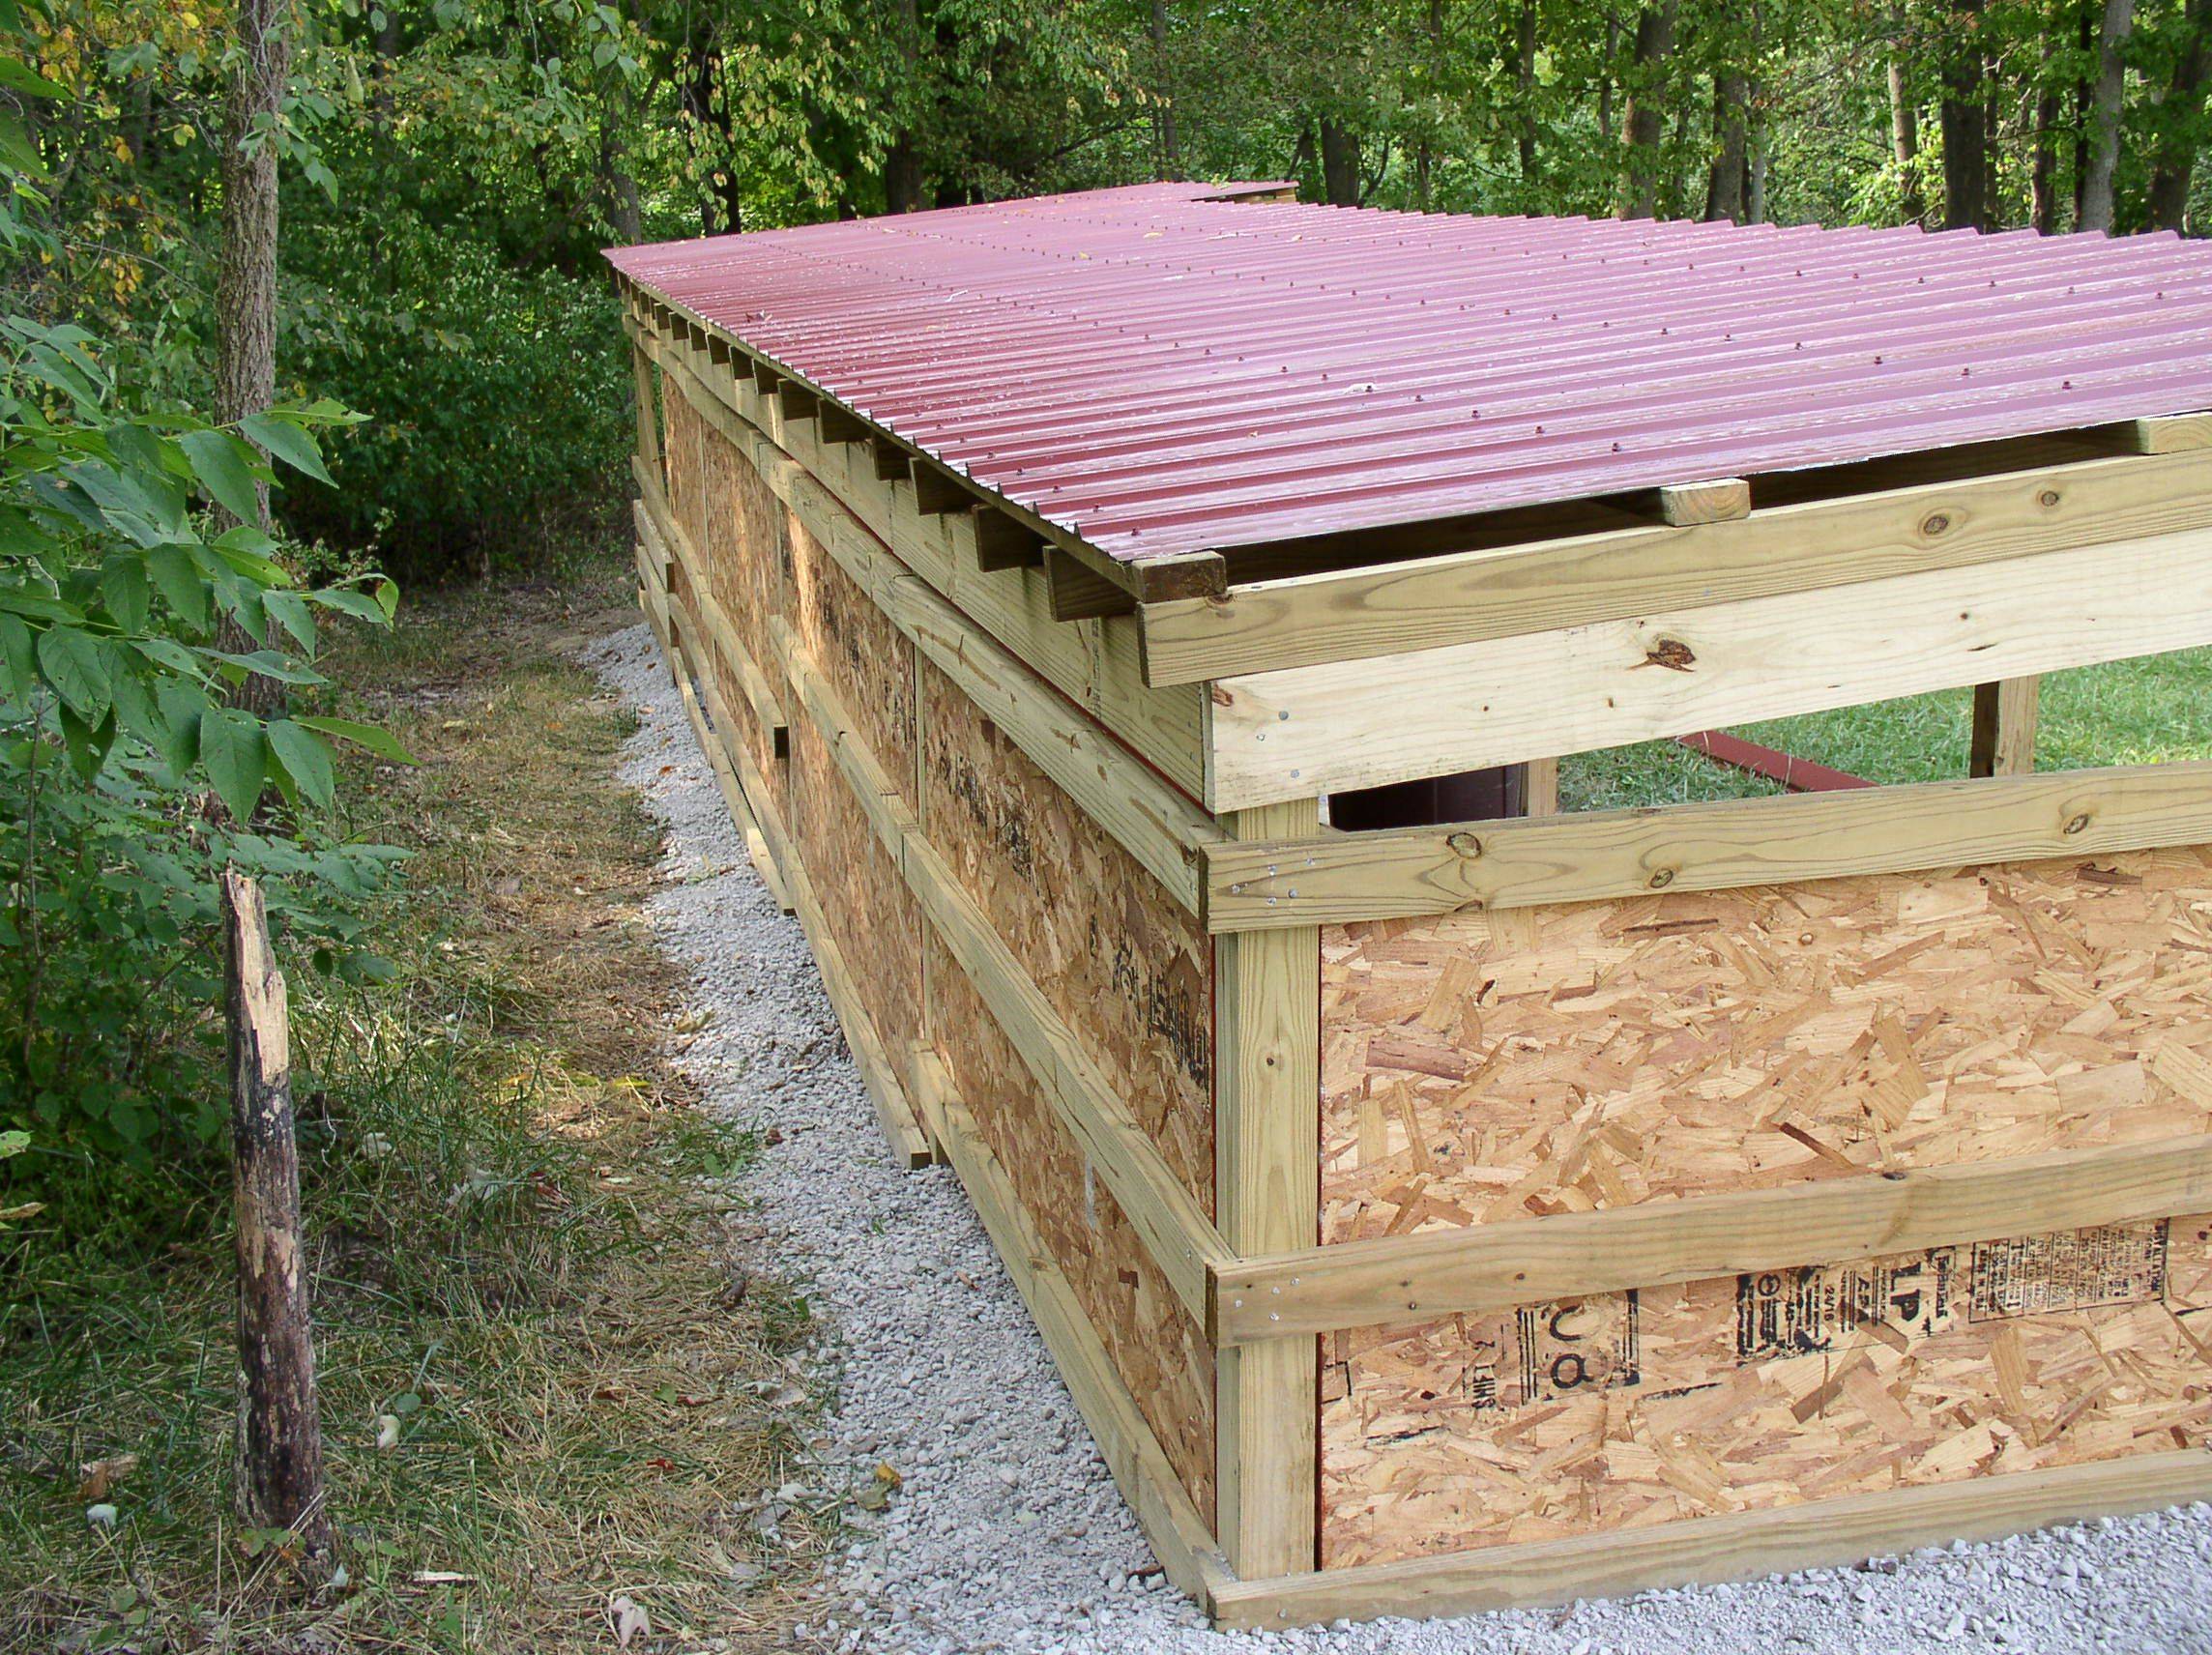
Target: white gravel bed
x,y
1008,1533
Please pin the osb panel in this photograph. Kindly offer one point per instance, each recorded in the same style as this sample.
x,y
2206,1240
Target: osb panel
x,y
871,914
1766,1390
1126,969
1159,1352
1485,1067
859,652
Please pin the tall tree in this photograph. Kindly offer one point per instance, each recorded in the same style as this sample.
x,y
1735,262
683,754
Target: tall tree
x,y
1167,145
1904,143
1339,162
2119,21
1645,129
2182,112
1966,123
246,279
1525,89
1724,179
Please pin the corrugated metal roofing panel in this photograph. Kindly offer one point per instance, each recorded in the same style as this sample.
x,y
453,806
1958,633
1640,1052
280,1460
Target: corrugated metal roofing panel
x,y
1164,368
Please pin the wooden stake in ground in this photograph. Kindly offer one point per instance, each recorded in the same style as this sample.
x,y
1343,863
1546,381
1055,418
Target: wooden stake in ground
x,y
280,1470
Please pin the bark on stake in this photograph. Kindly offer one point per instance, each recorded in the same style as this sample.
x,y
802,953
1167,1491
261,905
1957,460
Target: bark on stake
x,y
280,1470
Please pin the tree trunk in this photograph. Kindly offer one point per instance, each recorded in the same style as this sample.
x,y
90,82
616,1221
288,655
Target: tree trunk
x,y
280,1451
2085,93
1965,131
2119,17
1724,182
1525,88
1339,163
2184,108
1168,158
1646,123
903,182
1904,144
2043,173
1605,81
246,278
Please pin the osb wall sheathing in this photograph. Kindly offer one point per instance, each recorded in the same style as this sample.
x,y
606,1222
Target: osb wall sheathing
x,y
867,905
1159,1353
1766,1390
1481,1069
737,527
1129,972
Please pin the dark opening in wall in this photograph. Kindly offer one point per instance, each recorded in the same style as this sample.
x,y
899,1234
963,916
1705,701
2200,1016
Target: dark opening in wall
x,y
1471,796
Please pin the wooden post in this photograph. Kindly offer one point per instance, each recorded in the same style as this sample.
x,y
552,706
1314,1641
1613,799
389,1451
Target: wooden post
x,y
2004,728
279,1466
1266,1199
647,428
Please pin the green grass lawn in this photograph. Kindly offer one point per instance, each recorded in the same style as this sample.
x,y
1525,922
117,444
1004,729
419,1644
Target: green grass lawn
x,y
2153,711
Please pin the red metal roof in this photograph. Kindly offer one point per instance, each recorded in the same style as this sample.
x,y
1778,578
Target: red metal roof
x,y
1164,368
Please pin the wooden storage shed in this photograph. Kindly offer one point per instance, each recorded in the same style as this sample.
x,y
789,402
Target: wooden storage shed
x,y
1458,1213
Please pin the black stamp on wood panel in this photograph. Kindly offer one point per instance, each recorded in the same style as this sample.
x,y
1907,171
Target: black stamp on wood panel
x,y
1815,1309
2073,1270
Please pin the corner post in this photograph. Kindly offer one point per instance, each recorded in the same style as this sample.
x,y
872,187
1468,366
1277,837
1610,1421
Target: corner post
x,y
1267,1161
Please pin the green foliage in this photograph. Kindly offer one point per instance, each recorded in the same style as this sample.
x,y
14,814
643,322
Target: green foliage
x,y
128,777
496,396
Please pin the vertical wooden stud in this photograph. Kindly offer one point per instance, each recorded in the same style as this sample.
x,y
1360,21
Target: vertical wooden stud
x,y
647,429
1540,787
1267,1192
2004,728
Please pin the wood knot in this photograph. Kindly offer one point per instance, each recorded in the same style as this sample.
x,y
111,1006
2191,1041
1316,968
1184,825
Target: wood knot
x,y
2049,498
1937,523
1465,844
1661,878
1670,652
2078,824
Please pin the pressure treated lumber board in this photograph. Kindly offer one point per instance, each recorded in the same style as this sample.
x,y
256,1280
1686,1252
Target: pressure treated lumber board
x,y
1484,1268
1615,576
1351,724
1711,1550
1266,1044
1753,1392
1403,873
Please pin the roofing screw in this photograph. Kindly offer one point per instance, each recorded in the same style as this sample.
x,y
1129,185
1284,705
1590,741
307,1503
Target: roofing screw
x,y
1284,716
2078,823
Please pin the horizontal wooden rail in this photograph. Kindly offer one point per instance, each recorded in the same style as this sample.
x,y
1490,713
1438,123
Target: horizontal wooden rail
x,y
1353,724
1152,820
1496,1266
1733,1546
1179,1237
1467,597
1403,872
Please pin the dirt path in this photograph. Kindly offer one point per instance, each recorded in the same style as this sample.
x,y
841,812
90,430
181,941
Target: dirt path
x,y
1004,1531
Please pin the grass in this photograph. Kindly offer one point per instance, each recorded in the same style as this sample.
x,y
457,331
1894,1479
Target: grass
x,y
522,1257
2153,711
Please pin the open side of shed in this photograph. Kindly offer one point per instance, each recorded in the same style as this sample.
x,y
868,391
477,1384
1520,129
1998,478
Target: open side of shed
x,y
1484,1212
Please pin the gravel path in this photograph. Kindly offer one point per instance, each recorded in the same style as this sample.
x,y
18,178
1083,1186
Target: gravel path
x,y
1007,1535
